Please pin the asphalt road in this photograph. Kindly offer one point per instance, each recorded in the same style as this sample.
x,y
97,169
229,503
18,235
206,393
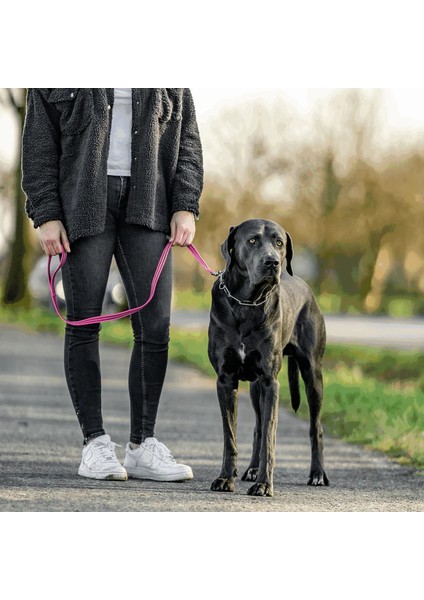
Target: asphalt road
x,y
366,330
40,445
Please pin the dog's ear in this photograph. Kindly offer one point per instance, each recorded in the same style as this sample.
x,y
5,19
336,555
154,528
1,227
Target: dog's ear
x,y
289,254
227,248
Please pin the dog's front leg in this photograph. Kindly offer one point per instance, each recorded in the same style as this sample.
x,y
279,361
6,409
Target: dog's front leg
x,y
264,485
255,395
227,388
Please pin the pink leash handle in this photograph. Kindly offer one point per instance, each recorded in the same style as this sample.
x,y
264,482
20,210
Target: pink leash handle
x,y
130,311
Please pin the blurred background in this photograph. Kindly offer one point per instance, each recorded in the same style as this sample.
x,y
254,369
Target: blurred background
x,y
342,170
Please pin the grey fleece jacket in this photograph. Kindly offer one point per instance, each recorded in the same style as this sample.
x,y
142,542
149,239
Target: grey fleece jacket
x,y
65,148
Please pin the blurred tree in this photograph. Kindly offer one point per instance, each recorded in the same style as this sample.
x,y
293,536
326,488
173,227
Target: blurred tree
x,y
6,193
359,212
252,148
15,289
350,212
216,215
401,181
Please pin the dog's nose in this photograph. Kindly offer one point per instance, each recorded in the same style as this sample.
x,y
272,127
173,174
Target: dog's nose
x,y
271,262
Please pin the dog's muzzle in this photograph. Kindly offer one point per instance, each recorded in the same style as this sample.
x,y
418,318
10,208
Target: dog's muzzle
x,y
271,270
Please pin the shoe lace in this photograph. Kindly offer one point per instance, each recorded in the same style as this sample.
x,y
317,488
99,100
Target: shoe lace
x,y
163,451
106,451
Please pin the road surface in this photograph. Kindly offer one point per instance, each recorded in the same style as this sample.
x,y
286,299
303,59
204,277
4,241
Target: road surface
x,y
40,445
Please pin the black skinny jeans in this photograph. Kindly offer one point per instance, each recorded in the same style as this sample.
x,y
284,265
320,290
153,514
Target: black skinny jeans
x,y
137,250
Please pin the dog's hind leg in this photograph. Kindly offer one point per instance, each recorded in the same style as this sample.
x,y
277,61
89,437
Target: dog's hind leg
x,y
255,396
312,376
227,388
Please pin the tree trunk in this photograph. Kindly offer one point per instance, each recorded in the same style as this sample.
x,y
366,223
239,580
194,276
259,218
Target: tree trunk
x,y
368,263
16,281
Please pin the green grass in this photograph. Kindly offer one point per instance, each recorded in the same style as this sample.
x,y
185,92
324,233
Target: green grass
x,y
373,397
39,319
187,299
380,363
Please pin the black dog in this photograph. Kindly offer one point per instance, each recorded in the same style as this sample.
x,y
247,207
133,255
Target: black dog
x,y
259,314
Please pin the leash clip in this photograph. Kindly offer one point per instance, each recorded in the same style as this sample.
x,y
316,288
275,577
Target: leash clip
x,y
222,285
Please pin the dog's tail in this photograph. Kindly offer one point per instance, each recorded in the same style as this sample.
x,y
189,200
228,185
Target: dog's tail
x,y
294,382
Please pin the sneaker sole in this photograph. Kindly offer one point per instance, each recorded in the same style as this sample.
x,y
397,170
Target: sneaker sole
x,y
143,473
105,476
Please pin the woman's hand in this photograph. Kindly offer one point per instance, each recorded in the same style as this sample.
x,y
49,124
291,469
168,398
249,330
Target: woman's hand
x,y
52,235
183,228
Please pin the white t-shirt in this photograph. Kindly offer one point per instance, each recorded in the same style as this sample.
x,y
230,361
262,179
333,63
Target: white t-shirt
x,y
119,158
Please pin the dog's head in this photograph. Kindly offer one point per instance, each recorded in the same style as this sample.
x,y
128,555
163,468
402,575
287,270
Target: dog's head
x,y
258,247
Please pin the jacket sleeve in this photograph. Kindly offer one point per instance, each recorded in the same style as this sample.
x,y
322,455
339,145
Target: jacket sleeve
x,y
40,159
188,180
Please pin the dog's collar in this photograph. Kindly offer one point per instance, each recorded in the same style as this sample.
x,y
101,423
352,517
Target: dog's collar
x,y
223,287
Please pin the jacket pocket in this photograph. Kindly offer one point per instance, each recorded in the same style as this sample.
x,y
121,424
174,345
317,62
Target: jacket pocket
x,y
75,106
168,104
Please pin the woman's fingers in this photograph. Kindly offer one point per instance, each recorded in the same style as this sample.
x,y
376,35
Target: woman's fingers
x,y
182,235
65,240
52,234
173,231
51,247
183,228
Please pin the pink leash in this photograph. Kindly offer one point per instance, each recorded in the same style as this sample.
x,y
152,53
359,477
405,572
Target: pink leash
x,y
130,311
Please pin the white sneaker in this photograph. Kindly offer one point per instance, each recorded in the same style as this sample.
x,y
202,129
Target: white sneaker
x,y
99,460
153,460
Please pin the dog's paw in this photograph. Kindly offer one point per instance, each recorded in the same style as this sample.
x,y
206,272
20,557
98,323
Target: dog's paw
x,y
223,484
250,475
318,478
260,489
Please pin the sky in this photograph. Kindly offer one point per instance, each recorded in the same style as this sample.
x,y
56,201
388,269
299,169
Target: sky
x,y
404,109
405,106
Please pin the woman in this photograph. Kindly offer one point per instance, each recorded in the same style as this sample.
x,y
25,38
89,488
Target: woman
x,y
114,172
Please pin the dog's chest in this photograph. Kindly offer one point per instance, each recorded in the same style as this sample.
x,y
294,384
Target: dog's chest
x,y
243,360
250,344
249,364
242,352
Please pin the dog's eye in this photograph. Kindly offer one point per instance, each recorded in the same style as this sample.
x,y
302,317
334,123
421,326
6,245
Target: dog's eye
x,y
279,243
252,241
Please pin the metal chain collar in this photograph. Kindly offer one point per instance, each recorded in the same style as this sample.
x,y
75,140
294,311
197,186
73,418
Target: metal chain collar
x,y
223,287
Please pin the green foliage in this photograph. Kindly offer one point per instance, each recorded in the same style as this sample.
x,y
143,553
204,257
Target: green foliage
x,y
36,318
401,307
329,303
380,363
187,299
191,347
